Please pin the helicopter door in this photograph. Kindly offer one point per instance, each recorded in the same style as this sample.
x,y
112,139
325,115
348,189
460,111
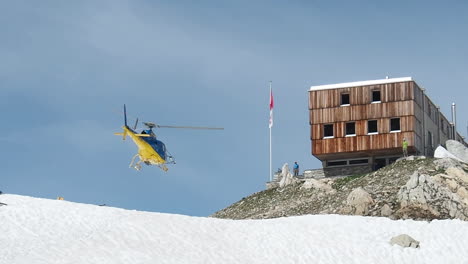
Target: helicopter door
x,y
160,149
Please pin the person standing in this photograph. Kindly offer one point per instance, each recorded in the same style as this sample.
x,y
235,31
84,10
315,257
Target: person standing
x,y
296,169
405,147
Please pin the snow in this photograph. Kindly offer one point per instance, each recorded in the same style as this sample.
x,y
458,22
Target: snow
x,y
35,230
360,83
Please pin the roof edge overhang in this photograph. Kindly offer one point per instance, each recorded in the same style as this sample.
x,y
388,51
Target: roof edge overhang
x,y
361,83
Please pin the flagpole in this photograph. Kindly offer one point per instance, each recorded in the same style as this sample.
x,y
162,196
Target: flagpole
x,y
271,171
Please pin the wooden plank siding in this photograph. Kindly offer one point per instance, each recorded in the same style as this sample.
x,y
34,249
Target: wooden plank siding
x,y
383,126
361,112
396,100
361,95
366,143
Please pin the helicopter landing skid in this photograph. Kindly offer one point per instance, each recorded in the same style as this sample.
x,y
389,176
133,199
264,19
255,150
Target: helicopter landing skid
x,y
163,167
137,165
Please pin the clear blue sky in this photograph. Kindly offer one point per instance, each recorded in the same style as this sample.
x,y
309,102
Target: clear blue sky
x,y
67,67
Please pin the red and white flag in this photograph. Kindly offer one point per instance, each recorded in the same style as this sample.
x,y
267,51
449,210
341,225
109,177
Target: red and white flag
x,y
271,109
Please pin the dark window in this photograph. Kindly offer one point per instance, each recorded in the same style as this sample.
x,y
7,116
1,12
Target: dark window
x,y
345,99
376,96
395,124
336,163
358,161
429,139
372,126
350,128
328,130
392,160
379,163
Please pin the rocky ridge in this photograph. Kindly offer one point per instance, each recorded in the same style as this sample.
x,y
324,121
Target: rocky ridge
x,y
416,188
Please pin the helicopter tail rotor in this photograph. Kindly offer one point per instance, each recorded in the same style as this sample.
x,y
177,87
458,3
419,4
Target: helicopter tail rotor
x,y
125,115
136,123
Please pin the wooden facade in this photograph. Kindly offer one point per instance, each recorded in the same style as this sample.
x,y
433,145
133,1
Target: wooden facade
x,y
399,101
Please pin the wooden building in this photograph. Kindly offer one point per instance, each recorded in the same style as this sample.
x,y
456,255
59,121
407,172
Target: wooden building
x,y
359,126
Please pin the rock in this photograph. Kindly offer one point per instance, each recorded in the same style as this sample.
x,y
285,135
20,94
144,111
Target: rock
x,y
413,181
358,202
424,197
463,193
286,176
404,240
441,152
410,158
317,184
458,174
457,149
452,185
386,210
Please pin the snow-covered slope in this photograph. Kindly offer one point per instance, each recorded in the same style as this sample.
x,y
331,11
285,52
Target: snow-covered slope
x,y
34,230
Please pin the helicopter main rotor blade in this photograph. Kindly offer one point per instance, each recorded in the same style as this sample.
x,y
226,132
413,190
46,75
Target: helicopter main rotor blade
x,y
191,127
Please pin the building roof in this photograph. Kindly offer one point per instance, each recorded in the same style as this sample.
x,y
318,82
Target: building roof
x,y
361,83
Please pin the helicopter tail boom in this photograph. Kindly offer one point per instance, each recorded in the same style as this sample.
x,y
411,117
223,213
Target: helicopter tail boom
x,y
124,134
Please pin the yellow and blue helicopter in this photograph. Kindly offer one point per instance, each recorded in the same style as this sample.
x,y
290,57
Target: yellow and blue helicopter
x,y
150,150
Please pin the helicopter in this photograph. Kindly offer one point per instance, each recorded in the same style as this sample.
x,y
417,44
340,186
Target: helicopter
x,y
151,151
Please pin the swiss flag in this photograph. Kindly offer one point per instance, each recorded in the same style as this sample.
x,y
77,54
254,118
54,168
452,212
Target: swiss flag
x,y
271,108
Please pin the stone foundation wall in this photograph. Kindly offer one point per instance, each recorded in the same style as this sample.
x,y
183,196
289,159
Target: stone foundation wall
x,y
316,174
347,170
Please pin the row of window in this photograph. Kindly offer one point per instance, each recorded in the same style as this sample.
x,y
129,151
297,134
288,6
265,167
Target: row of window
x,y
345,98
333,163
378,162
372,128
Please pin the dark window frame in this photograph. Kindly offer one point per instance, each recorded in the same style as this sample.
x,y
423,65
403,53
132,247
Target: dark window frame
x,y
430,139
324,131
354,129
376,127
372,96
358,161
348,99
399,125
337,163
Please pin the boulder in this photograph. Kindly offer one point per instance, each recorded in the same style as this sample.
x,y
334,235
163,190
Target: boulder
x,y
441,152
404,240
317,184
359,201
386,210
457,149
286,176
445,163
